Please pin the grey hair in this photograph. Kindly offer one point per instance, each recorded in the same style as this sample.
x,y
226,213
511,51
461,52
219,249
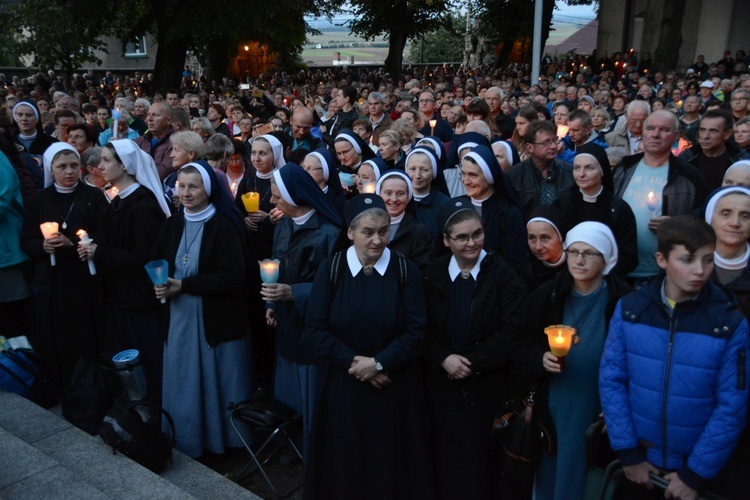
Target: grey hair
x,y
204,125
218,146
638,106
377,96
144,101
92,156
190,142
375,212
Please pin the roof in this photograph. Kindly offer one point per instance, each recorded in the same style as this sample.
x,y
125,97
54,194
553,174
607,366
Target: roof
x,y
582,41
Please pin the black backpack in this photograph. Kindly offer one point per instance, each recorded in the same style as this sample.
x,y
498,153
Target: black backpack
x,y
90,394
126,431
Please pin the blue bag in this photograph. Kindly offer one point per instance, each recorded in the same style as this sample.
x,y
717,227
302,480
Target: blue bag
x,y
23,372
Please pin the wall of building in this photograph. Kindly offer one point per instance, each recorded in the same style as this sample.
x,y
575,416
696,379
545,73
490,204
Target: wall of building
x,y
117,60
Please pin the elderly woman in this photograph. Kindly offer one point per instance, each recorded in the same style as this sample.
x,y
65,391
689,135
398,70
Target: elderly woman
x,y
351,151
407,132
30,134
66,294
738,174
205,347
503,154
491,195
267,155
595,201
422,169
601,121
202,127
81,136
584,297
302,241
132,223
123,130
321,165
742,133
369,174
467,373
187,147
371,407
407,235
545,235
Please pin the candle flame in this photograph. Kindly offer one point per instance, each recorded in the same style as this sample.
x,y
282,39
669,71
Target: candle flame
x,y
80,233
650,195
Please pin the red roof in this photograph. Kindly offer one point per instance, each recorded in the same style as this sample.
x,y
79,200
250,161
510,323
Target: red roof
x,y
582,41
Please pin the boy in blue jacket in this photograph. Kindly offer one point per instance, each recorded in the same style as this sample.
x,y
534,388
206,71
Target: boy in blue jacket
x,y
672,375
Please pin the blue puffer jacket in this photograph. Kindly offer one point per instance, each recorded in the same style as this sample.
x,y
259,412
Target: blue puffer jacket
x,y
675,387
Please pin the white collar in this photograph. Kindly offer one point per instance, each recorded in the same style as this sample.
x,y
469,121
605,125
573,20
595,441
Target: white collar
x,y
201,216
397,220
355,266
128,190
732,264
264,176
454,271
304,218
478,203
65,190
591,199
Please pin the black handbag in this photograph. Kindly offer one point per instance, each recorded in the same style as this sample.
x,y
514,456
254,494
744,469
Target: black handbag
x,y
522,437
90,394
126,430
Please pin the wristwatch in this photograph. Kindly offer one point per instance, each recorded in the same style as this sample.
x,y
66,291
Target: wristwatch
x,y
378,366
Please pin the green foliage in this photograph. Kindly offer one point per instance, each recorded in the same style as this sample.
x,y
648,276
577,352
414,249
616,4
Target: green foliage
x,y
443,44
412,17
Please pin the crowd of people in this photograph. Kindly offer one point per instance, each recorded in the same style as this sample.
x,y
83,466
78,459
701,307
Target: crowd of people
x,y
425,232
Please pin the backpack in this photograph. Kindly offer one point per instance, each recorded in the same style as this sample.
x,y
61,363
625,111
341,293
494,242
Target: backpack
x,y
337,267
126,431
90,394
23,372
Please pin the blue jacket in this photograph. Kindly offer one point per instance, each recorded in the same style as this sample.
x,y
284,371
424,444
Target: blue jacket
x,y
674,387
11,215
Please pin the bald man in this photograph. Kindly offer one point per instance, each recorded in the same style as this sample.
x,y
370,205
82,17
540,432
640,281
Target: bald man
x,y
302,123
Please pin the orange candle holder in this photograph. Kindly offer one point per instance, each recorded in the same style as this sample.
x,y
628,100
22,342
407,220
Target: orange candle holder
x,y
560,338
251,200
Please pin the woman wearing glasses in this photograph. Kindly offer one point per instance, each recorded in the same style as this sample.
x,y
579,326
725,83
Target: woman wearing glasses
x,y
472,294
584,297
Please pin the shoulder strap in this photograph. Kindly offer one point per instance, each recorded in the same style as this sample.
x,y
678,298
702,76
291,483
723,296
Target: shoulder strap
x,y
337,264
401,271
335,270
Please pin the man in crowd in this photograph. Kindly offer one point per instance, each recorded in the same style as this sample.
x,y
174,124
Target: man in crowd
x,y
713,154
584,138
378,118
738,103
156,141
540,179
656,184
173,99
64,118
630,136
427,106
690,119
707,96
302,122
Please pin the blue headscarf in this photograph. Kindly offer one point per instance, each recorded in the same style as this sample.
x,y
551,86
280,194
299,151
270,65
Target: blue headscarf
x,y
378,165
218,196
298,188
437,149
357,143
330,170
468,137
485,158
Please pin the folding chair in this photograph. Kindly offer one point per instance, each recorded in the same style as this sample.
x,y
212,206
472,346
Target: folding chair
x,y
262,414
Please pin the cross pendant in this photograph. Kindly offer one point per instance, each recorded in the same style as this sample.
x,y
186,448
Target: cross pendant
x,y
185,260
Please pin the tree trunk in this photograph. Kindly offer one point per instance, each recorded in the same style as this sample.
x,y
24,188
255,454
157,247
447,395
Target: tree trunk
x,y
667,53
170,58
395,59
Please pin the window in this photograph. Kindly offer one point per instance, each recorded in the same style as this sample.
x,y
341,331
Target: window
x,y
136,47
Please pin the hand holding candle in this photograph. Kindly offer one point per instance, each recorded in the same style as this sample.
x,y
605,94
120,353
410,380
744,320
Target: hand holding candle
x,y
158,271
562,131
251,200
269,270
49,230
85,240
560,338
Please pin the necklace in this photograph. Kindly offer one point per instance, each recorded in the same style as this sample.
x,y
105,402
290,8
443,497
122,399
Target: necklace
x,y
185,258
255,188
65,220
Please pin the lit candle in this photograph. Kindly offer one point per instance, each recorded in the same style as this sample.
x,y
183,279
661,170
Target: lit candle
x,y
562,131
49,229
433,122
234,188
652,203
85,240
269,270
251,200
560,338
368,187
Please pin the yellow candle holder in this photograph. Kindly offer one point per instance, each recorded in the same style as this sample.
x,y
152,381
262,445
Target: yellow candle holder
x,y
560,338
251,200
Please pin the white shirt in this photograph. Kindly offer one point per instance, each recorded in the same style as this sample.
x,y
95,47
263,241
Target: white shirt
x,y
454,271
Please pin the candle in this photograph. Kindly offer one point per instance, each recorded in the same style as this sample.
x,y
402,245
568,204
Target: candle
x,y
269,270
85,240
432,126
368,187
49,229
562,131
560,338
251,200
652,203
158,272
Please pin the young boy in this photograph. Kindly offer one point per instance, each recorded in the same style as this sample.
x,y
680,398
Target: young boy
x,y
672,375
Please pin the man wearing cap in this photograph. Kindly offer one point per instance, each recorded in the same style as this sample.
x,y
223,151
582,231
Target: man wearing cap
x,y
714,152
707,96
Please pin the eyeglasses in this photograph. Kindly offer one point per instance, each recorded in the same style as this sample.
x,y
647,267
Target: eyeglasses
x,y
586,254
545,144
463,239
738,99
425,101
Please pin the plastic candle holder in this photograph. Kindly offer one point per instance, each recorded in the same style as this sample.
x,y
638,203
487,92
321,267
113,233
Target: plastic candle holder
x,y
560,338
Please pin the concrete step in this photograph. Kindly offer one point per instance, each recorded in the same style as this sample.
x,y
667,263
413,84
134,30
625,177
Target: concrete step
x,y
44,456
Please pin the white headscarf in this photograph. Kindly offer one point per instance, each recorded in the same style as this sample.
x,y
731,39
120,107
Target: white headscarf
x,y
711,205
49,155
140,165
276,148
598,236
323,164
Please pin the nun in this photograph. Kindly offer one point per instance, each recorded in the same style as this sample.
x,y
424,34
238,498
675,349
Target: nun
x,y
267,155
132,223
490,193
595,201
584,297
322,167
351,151
206,361
30,133
407,234
67,295
504,154
472,294
452,173
738,174
545,235
369,174
369,434
303,239
423,169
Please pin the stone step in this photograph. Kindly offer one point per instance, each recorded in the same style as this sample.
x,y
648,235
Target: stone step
x,y
44,456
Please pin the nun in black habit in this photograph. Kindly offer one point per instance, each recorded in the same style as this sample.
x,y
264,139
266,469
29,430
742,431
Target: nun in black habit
x,y
302,241
422,167
490,193
366,319
329,175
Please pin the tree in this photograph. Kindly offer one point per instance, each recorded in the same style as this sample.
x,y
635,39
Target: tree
x,y
667,53
398,20
58,32
445,44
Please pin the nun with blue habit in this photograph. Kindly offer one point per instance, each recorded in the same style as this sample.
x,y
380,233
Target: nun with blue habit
x,y
321,165
206,363
423,170
490,193
584,297
303,239
366,319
